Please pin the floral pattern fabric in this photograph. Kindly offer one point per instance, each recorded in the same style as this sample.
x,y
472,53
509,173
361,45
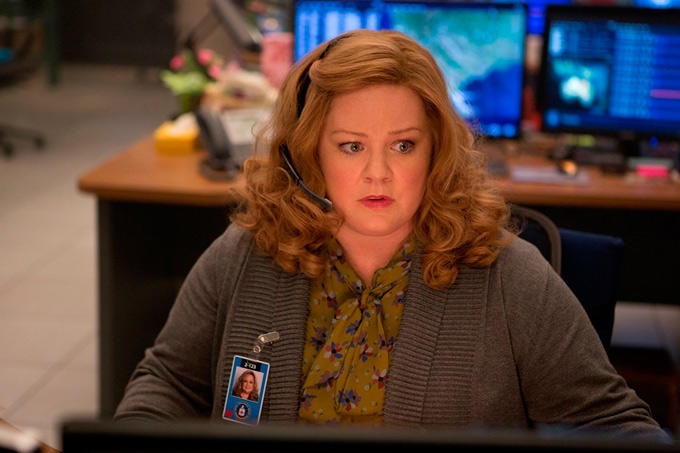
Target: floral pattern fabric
x,y
351,331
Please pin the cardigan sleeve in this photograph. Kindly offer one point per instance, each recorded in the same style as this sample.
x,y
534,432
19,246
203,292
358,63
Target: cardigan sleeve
x,y
174,378
566,377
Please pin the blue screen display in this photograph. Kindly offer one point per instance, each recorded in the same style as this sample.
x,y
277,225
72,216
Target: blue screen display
x,y
536,10
657,3
479,46
611,70
317,21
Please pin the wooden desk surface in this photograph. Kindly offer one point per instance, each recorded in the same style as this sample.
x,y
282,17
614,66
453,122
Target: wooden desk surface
x,y
139,173
601,190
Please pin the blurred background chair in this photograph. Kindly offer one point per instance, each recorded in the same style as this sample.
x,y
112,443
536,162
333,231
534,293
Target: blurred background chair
x,y
589,263
21,41
592,267
541,231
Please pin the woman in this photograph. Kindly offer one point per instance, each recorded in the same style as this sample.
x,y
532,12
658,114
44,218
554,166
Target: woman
x,y
372,241
246,386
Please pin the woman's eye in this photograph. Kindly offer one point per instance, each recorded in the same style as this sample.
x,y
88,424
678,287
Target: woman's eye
x,y
404,146
351,147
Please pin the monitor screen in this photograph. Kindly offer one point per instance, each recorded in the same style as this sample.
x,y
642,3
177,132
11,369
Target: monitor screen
x,y
317,21
657,3
612,71
536,14
479,46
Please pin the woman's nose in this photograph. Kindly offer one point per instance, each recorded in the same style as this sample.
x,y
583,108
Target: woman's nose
x,y
377,165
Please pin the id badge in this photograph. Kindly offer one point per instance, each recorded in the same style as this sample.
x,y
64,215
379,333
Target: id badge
x,y
246,390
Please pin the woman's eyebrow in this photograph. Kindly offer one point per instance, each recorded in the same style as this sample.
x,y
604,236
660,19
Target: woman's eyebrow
x,y
406,130
347,131
363,134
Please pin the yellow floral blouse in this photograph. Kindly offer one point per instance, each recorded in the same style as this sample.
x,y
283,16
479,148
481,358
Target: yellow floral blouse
x,y
351,331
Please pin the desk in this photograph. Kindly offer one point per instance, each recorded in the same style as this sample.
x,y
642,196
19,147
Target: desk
x,y
602,190
156,214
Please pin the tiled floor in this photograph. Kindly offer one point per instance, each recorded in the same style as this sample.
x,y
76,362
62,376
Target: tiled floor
x,y
48,301
48,276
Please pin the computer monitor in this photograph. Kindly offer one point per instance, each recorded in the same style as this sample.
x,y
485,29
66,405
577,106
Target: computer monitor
x,y
479,46
657,3
536,14
611,71
92,436
317,21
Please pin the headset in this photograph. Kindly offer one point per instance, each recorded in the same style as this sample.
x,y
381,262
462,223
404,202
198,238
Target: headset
x,y
324,203
220,163
284,152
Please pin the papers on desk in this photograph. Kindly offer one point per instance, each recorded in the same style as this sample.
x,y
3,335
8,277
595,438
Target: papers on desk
x,y
546,175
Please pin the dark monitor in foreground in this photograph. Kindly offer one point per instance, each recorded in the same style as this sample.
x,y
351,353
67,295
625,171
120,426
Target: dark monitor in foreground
x,y
479,46
611,71
194,437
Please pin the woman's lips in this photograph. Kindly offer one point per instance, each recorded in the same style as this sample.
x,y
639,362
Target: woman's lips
x,y
376,201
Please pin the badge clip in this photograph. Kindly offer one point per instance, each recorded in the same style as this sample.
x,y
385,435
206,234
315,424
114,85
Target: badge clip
x,y
264,339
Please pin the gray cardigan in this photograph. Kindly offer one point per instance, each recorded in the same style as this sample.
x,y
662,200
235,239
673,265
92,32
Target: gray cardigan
x,y
505,346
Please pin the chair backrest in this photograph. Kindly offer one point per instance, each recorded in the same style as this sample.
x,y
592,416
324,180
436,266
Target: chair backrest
x,y
589,263
592,267
541,231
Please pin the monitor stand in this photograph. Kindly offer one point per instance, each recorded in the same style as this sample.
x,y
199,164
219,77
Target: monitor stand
x,y
629,147
608,160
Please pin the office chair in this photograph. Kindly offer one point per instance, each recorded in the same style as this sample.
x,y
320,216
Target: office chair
x,y
541,231
16,64
9,133
589,263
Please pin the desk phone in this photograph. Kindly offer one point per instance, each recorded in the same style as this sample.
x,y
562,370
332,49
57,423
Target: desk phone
x,y
229,137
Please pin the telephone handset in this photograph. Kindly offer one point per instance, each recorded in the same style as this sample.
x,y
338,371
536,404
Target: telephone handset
x,y
220,164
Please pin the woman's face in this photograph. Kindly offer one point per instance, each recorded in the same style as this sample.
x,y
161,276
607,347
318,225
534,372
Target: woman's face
x,y
375,151
248,383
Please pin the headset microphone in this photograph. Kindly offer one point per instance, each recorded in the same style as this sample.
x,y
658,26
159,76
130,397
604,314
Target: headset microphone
x,y
324,203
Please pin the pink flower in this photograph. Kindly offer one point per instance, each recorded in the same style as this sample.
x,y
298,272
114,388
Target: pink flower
x,y
176,62
204,56
214,71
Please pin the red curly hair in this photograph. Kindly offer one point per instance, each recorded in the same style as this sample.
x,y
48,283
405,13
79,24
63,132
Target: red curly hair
x,y
462,216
